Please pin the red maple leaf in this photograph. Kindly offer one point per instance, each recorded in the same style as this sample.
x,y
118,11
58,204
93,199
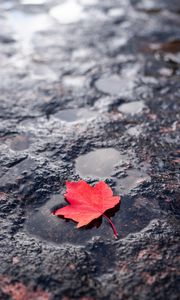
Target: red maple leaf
x,y
88,203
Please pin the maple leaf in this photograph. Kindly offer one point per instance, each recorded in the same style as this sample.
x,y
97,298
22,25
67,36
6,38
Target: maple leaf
x,y
88,203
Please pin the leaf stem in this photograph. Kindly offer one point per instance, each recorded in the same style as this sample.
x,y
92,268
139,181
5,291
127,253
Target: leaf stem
x,y
112,225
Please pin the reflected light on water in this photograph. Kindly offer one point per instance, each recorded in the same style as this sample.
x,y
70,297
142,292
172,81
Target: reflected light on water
x,y
33,2
25,25
68,12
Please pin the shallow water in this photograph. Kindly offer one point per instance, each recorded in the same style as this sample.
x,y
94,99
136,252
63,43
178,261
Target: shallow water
x,y
116,86
129,219
134,178
99,163
75,115
132,108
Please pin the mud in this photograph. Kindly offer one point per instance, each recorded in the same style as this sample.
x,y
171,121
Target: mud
x,y
90,89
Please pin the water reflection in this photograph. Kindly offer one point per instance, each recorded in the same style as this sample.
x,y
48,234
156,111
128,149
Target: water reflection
x,y
25,25
52,228
132,108
68,12
114,85
130,218
75,115
99,163
134,178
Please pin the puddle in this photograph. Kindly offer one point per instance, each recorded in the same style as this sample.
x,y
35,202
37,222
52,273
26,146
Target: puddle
x,y
129,219
68,12
115,86
17,171
133,215
132,108
75,115
99,163
133,180
20,142
57,230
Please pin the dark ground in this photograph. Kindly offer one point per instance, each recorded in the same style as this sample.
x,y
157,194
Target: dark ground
x,y
115,53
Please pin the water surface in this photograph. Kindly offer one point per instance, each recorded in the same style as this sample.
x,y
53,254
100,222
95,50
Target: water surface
x,y
115,86
99,163
134,215
132,108
133,179
75,115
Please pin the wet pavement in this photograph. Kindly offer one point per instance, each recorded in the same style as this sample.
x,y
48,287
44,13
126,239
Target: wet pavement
x,y
90,89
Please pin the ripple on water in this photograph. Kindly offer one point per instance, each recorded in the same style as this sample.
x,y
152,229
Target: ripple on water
x,y
99,163
75,115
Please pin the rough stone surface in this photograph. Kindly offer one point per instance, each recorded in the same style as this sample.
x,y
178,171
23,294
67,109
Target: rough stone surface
x,y
50,63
